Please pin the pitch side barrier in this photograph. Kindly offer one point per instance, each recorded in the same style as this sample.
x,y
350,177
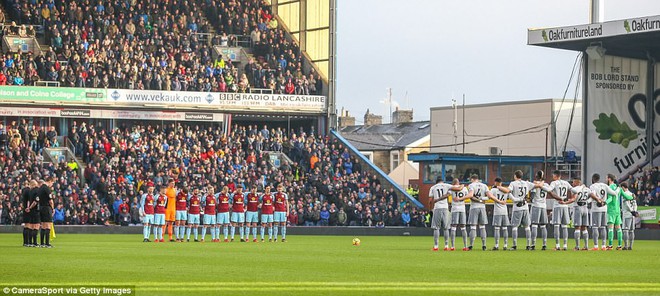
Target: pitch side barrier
x,y
378,171
643,234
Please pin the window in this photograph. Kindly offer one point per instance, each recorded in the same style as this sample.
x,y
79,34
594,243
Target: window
x,y
394,160
432,171
369,155
507,170
463,171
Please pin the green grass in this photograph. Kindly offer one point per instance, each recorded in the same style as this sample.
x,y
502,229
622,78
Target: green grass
x,y
325,265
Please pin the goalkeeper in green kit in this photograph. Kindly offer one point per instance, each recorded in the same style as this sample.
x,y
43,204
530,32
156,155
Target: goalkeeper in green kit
x,y
614,212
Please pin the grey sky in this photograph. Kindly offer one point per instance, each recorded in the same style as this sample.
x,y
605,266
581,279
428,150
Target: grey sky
x,y
434,49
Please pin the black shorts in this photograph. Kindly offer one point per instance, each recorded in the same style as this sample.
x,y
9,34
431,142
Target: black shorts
x,y
46,215
33,217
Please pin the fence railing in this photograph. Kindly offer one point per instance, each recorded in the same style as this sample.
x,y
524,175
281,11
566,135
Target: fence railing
x,y
47,83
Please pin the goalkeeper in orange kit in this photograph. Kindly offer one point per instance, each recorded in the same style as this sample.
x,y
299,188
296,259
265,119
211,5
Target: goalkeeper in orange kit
x,y
170,212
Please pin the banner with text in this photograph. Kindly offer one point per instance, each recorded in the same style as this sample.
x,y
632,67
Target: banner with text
x,y
51,94
111,114
158,97
592,31
273,101
615,123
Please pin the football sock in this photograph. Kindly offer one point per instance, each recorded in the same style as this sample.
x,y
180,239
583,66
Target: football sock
x,y
594,231
483,234
619,236
535,233
603,234
528,235
233,230
445,235
188,233
585,236
631,237
453,236
464,234
204,232
47,235
169,231
564,229
610,236
557,238
577,238
514,236
497,236
262,232
436,237
544,234
473,234
42,235
176,231
506,236
145,231
224,231
241,230
284,232
275,229
254,232
195,231
270,232
25,236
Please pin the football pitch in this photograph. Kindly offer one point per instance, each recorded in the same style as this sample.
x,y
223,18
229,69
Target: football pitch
x,y
326,265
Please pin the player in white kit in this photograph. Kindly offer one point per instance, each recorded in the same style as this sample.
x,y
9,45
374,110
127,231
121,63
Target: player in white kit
x,y
458,216
581,196
441,219
538,214
599,210
559,190
500,214
478,193
519,189
629,209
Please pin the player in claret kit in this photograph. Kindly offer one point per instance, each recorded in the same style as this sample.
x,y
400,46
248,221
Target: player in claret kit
x,y
181,214
238,213
209,203
159,216
267,210
223,214
252,214
194,207
147,211
281,210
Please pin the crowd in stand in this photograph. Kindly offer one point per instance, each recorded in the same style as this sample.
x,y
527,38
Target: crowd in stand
x,y
646,186
325,184
155,45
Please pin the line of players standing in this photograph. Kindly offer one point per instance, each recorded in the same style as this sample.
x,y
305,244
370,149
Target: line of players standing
x,y
596,206
38,212
213,210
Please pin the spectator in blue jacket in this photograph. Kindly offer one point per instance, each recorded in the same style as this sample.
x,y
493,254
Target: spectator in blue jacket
x,y
325,216
115,207
58,216
405,217
348,166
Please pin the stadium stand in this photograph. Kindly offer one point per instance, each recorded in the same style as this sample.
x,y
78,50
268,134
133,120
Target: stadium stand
x,y
326,185
156,45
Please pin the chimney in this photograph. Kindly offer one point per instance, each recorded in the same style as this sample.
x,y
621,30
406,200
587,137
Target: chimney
x,y
372,119
345,119
402,116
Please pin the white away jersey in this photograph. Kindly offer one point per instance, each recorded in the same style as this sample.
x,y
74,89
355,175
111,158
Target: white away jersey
x,y
479,190
601,190
560,188
519,190
499,209
437,191
458,206
582,193
539,196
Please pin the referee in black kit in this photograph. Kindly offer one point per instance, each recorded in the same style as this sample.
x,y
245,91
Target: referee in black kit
x,y
46,211
29,226
32,216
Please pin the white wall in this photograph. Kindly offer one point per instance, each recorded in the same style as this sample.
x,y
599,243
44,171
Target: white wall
x,y
487,120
